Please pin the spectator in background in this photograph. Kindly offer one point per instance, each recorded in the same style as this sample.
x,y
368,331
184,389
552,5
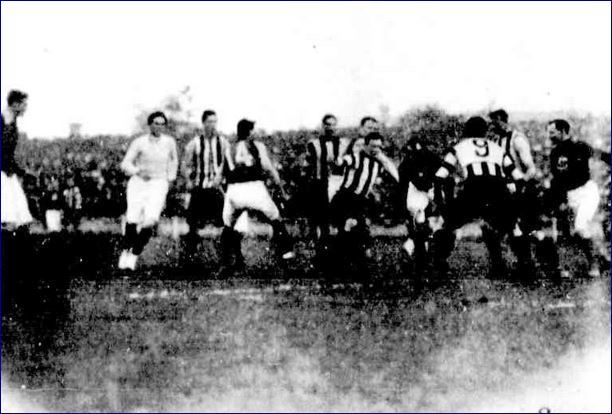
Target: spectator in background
x,y
14,208
203,164
72,201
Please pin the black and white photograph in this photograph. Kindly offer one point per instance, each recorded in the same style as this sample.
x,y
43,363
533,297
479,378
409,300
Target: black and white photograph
x,y
306,206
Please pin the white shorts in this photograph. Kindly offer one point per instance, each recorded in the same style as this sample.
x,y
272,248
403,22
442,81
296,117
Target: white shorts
x,y
417,202
145,200
584,203
14,206
252,195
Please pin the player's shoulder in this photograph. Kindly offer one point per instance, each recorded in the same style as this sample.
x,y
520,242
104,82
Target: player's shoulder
x,y
169,139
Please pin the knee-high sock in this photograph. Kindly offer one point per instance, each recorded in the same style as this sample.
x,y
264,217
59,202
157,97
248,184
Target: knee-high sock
x,y
131,236
141,241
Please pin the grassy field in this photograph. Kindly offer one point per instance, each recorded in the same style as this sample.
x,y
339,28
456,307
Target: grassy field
x,y
79,336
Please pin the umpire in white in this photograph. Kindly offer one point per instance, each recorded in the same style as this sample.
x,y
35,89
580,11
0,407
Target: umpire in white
x,y
247,164
152,162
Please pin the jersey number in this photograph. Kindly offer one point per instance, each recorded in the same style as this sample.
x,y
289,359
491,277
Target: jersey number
x,y
482,147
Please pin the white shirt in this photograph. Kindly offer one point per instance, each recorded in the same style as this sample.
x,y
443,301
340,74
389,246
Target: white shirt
x,y
152,157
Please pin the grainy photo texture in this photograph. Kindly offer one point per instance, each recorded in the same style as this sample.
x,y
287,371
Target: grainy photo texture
x,y
305,206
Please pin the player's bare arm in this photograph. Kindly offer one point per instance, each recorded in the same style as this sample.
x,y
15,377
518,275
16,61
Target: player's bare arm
x,y
388,165
187,163
523,149
173,162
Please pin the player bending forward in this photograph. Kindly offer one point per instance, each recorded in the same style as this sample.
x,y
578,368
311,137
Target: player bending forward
x,y
247,165
152,162
488,174
349,206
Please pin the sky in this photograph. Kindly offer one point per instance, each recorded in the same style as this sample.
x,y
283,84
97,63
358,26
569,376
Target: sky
x,y
285,64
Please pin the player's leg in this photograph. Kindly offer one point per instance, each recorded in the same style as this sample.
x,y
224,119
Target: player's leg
x,y
262,202
155,200
193,221
584,203
135,195
230,238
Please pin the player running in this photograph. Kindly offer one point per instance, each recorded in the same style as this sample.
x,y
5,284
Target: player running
x,y
152,162
486,174
15,211
349,206
572,187
248,164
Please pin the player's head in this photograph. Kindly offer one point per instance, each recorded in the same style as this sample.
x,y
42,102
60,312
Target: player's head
x,y
499,120
17,101
367,125
209,121
475,127
244,128
329,123
373,143
558,130
157,121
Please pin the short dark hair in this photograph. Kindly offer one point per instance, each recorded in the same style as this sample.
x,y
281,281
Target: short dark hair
x,y
561,125
328,116
499,114
156,114
207,113
16,96
475,127
373,136
366,119
244,128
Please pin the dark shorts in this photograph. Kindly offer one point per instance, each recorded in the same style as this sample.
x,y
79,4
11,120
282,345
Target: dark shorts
x,y
205,206
489,200
347,205
319,208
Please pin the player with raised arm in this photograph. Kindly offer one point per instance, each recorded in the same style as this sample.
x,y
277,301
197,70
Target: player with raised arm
x,y
486,174
362,168
151,162
248,164
15,211
572,186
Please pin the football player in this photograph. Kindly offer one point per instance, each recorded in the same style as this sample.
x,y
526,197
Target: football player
x,y
152,162
202,166
248,164
517,145
15,210
325,154
572,186
417,174
487,175
349,206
